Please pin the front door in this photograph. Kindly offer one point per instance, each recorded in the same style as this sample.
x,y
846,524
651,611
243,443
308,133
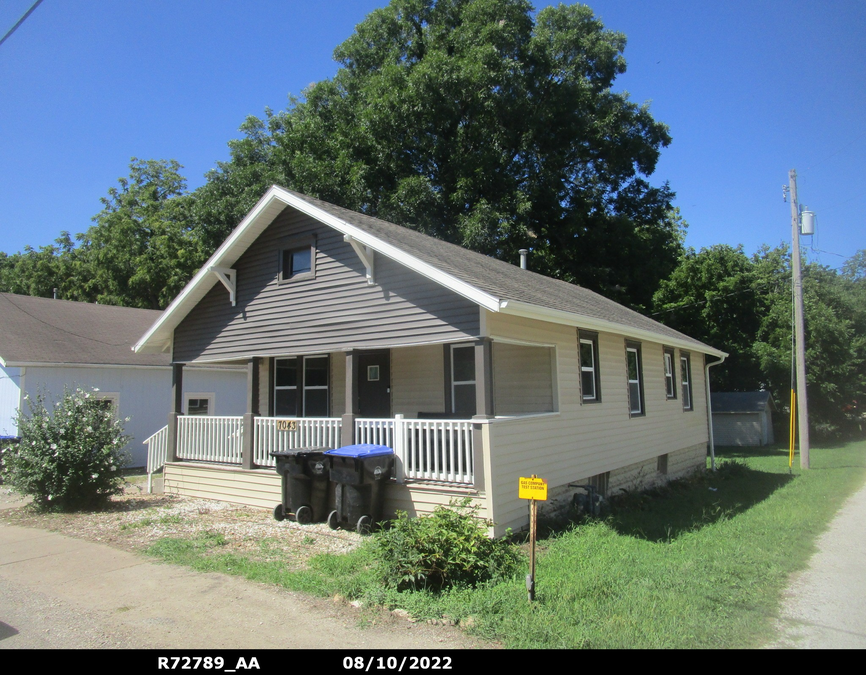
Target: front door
x,y
374,384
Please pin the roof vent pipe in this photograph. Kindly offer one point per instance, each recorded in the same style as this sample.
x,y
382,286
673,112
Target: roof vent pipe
x,y
55,294
523,253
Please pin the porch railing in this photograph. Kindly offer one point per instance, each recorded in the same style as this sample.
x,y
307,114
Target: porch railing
x,y
157,450
210,439
434,450
279,434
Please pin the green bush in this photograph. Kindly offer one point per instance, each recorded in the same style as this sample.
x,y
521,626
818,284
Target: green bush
x,y
70,458
449,548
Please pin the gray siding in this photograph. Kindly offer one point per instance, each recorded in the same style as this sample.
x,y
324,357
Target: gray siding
x,y
335,310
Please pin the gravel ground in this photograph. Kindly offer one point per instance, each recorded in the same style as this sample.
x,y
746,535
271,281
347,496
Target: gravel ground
x,y
137,519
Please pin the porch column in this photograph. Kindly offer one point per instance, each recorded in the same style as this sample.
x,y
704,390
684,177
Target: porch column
x,y
484,377
176,410
483,403
249,429
352,370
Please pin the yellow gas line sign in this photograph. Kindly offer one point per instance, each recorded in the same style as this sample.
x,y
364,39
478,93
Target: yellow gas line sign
x,y
532,488
535,490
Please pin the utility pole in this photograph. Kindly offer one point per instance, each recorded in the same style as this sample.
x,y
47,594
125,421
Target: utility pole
x,y
802,404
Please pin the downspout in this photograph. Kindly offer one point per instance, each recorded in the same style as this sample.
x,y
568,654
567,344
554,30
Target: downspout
x,y
710,409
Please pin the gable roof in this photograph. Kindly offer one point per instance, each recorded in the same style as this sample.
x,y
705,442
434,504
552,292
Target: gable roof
x,y
742,402
495,285
42,331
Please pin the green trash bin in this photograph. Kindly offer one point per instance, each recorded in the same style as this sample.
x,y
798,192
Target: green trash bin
x,y
305,483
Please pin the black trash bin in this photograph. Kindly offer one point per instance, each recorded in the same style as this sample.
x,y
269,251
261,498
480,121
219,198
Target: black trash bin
x,y
304,473
359,474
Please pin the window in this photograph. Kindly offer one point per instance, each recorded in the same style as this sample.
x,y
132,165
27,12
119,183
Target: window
x,y
686,379
634,369
589,370
670,378
463,379
301,386
298,259
198,404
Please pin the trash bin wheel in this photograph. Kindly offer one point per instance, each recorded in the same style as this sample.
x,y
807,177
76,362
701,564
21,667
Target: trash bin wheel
x,y
304,515
279,514
334,520
364,525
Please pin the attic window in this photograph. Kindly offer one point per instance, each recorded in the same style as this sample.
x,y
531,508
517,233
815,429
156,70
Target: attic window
x,y
298,260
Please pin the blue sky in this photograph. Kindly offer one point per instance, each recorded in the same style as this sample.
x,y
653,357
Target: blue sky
x,y
748,89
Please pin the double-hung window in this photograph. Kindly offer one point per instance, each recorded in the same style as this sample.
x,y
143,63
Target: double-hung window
x,y
634,370
686,379
670,377
590,387
301,386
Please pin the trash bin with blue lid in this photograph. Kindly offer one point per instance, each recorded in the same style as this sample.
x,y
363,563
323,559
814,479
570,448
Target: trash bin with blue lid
x,y
305,483
359,473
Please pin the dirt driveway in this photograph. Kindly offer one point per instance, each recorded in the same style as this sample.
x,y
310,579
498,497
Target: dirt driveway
x,y
91,590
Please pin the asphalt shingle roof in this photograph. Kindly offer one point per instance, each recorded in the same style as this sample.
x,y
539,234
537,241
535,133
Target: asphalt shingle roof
x,y
42,330
742,401
500,279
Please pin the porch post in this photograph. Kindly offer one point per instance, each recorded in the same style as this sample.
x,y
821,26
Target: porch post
x,y
249,428
352,369
176,410
484,377
483,404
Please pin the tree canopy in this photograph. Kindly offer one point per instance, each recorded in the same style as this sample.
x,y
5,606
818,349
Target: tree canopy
x,y
479,123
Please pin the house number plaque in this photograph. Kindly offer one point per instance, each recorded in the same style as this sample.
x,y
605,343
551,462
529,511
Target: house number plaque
x,y
287,425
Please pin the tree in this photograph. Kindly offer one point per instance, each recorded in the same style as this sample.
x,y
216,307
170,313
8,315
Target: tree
x,y
140,252
714,296
478,123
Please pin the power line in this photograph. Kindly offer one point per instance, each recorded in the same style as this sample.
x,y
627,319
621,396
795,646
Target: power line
x,y
21,20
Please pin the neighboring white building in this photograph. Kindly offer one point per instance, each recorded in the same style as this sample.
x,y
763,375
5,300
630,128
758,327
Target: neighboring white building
x,y
47,345
743,418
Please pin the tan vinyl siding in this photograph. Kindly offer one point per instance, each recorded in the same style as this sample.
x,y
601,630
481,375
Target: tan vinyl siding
x,y
587,439
338,384
260,488
334,310
417,380
522,379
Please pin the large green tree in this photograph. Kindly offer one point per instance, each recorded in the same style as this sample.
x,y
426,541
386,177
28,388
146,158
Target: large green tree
x,y
743,306
486,125
140,252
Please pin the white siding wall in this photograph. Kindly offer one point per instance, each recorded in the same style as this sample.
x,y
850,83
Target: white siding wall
x,y
584,440
144,394
10,398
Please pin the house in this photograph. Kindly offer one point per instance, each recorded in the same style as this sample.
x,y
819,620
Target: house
x,y
475,371
47,345
743,418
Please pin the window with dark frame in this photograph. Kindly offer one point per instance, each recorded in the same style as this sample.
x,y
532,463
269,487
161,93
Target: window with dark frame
x,y
301,386
463,379
686,380
298,260
589,368
670,377
634,373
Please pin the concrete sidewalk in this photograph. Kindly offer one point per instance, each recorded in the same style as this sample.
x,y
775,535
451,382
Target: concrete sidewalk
x,y
825,606
56,591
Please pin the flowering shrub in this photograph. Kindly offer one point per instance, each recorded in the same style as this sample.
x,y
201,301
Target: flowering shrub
x,y
69,458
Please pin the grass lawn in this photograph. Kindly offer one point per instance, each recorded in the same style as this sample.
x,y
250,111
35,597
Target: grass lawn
x,y
699,564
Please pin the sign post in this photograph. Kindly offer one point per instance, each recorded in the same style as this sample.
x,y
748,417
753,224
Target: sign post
x,y
534,489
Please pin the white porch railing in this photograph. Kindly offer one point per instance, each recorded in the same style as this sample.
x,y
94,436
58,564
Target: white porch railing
x,y
374,431
157,449
308,432
210,439
435,450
